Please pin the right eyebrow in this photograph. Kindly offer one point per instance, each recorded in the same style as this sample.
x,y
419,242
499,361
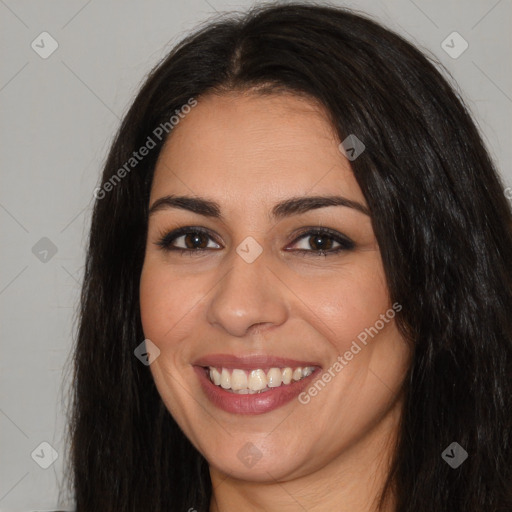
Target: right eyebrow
x,y
193,204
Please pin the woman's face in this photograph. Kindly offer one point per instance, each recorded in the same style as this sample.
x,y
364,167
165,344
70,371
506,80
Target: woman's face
x,y
260,300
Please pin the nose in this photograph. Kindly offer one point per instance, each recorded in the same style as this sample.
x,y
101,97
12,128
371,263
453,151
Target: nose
x,y
248,295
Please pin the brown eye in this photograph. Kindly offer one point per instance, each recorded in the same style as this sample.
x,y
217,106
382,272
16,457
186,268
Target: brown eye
x,y
187,239
195,240
322,242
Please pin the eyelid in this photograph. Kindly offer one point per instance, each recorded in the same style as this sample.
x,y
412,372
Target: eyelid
x,y
166,237
345,242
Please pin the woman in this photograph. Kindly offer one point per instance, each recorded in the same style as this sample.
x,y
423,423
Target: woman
x,y
298,283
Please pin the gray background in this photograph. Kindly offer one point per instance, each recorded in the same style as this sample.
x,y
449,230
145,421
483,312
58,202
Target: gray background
x,y
58,117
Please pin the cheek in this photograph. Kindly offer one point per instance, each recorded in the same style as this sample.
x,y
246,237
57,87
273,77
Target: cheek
x,y
347,302
166,299
154,303
172,309
167,315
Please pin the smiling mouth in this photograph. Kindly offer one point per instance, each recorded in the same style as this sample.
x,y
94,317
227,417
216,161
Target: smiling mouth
x,y
259,380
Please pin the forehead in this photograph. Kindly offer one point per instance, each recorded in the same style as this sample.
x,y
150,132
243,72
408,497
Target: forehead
x,y
254,147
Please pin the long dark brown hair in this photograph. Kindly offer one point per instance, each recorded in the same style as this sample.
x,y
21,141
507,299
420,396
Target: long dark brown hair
x,y
439,215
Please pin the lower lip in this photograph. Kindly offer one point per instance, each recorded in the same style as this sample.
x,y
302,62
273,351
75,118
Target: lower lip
x,y
257,403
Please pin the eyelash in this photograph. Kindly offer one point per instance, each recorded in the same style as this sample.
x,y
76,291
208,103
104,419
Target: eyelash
x,y
346,244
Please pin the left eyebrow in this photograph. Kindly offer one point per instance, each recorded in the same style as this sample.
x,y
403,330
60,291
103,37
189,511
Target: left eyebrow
x,y
286,208
297,205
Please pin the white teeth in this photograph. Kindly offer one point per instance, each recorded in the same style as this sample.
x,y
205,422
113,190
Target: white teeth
x,y
274,377
256,381
297,374
225,379
238,380
287,375
215,376
306,372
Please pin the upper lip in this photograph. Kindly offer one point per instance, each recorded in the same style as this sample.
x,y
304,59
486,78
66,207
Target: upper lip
x,y
250,362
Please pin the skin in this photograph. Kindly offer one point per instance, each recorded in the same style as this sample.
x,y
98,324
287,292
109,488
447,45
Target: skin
x,y
248,152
